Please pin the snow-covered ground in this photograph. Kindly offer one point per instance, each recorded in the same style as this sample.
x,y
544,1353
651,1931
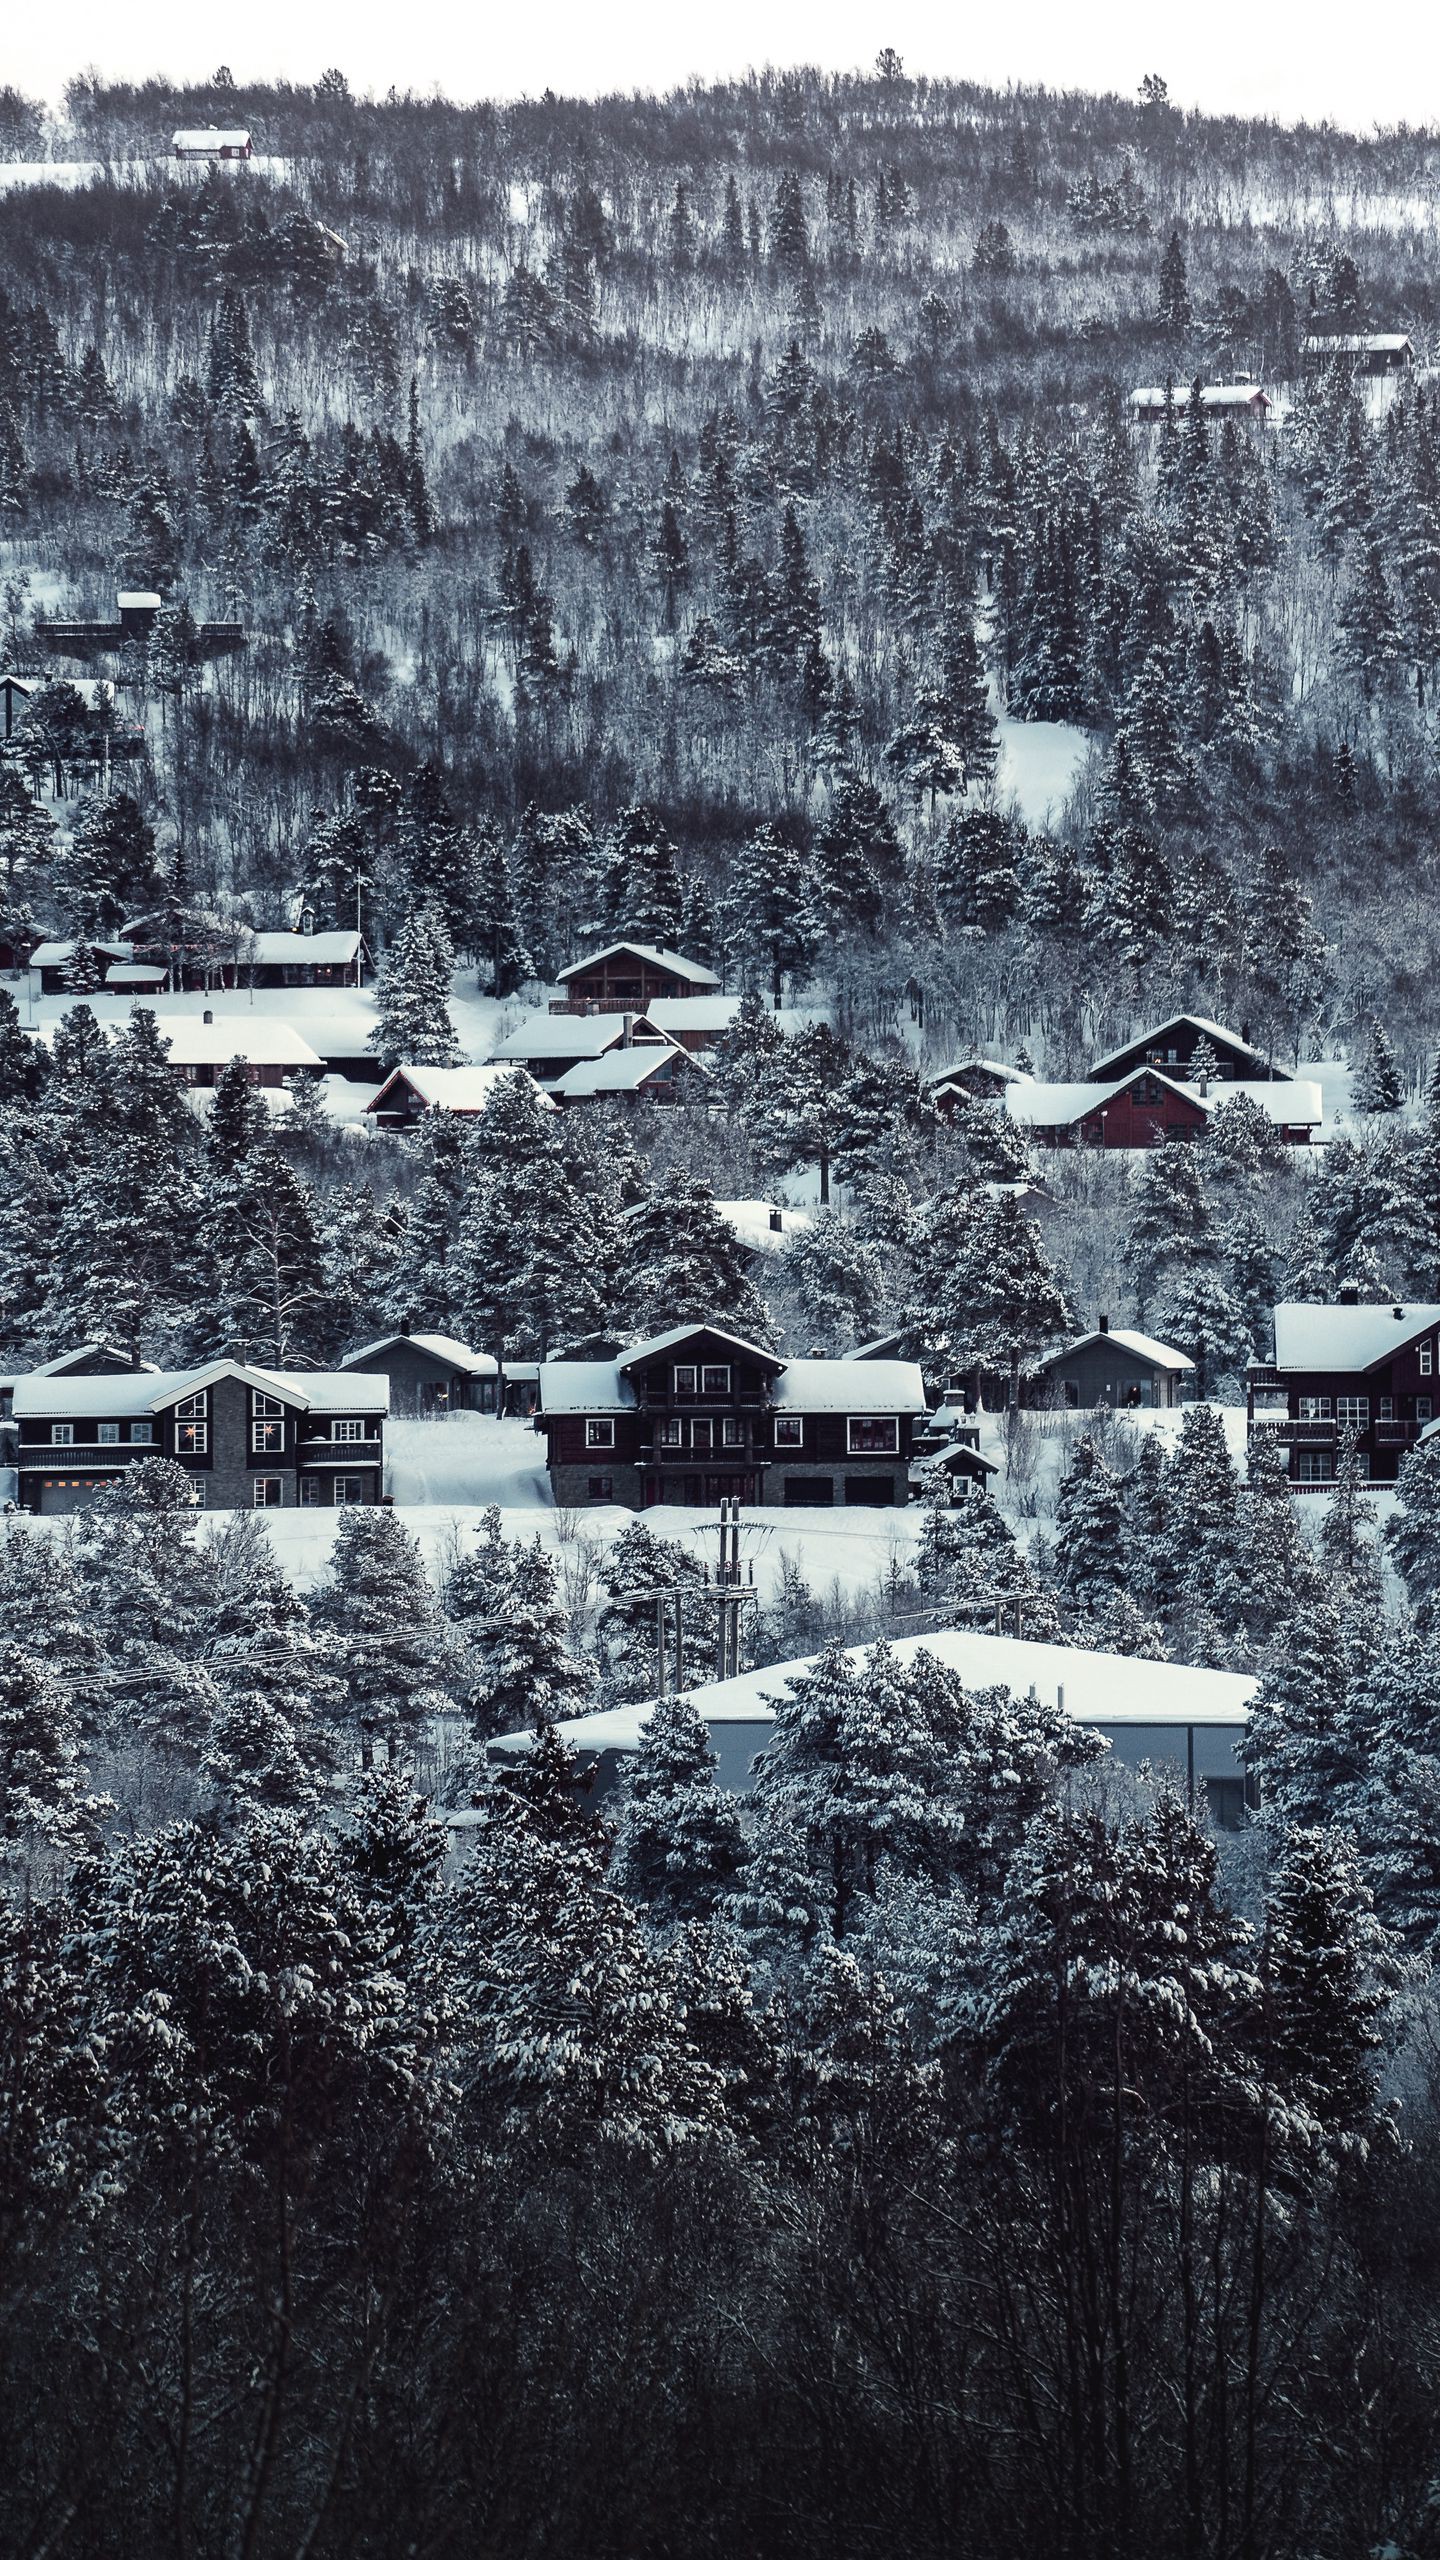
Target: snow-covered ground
x,y
1040,764
133,173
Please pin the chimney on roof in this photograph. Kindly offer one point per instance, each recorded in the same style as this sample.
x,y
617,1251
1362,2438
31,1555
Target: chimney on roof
x,y
307,919
627,1031
1104,1324
1245,1033
777,1223
405,1324
207,1015
1349,1295
1399,1314
817,1352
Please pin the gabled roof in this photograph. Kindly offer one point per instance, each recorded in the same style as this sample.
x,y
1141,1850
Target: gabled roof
x,y
1314,1337
1141,1346
72,1363
55,955
681,1333
256,1037
210,138
695,971
574,1035
449,1088
139,599
623,1071
440,1346
1212,1031
981,1066
41,1397
957,1458
1294,1102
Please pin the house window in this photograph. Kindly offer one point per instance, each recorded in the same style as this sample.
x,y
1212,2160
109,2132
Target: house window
x,y
1313,1466
599,1435
874,1435
600,1489
1385,1411
191,1406
715,1381
267,1439
62,1435
671,1433
687,1379
192,1439
789,1431
197,1492
1353,1413
1314,1409
1423,1408
107,1433
732,1431
349,1489
310,1492
349,1430
143,1434
700,1433
1427,1356
268,1493
269,1407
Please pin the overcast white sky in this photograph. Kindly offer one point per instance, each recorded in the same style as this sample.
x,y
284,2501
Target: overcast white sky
x,y
1313,58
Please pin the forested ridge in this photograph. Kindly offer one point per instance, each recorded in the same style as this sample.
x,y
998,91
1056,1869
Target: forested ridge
x,y
676,518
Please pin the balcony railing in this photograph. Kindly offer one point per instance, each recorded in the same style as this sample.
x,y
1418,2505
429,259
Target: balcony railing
x,y
1396,1435
339,1453
85,1453
1293,1434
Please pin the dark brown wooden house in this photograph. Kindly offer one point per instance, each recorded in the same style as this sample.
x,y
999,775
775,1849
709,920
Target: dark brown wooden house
x,y
627,976
1364,1371
1171,1047
695,1416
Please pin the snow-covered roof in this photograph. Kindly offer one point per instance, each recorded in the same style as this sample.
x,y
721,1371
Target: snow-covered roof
x,y
1100,1689
1212,1031
1213,395
674,961
567,1035
1143,1346
138,600
136,973
324,950
258,1038
38,1396
584,1386
441,1346
1382,342
679,1334
56,955
210,138
958,1456
676,1014
1309,1336
620,1071
850,1386
71,1362
448,1088
977,1066
93,690
1296,1103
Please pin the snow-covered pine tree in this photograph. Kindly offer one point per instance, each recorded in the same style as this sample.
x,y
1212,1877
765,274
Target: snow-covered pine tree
x,y
1375,1085
412,996
679,1836
392,1647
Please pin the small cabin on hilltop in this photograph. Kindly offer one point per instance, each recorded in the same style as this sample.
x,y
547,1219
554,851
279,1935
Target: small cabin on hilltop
x,y
212,142
1364,351
1112,1365
1243,400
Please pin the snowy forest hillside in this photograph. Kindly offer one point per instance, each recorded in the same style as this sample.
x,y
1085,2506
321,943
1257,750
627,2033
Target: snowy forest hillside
x,y
718,523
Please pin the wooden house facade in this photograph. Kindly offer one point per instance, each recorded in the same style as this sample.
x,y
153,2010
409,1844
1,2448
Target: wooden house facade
x,y
696,1416
248,1438
430,1374
1367,1373
627,976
